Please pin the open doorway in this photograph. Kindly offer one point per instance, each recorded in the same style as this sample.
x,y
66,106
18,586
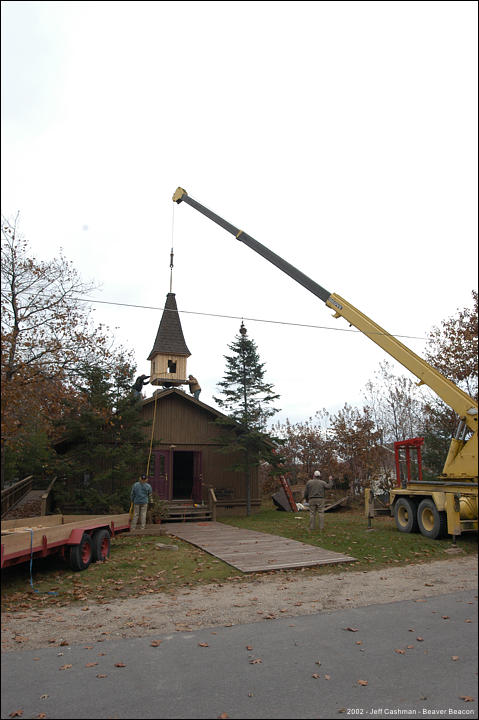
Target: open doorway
x,y
183,475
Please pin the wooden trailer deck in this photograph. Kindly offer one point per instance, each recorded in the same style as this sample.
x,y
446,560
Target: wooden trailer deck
x,y
251,551
42,535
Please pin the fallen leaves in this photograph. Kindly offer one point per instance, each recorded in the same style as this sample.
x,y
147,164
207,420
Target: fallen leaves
x,y
120,664
16,713
155,643
256,661
315,676
65,667
363,682
249,647
467,698
399,651
100,675
91,664
454,657
203,644
351,629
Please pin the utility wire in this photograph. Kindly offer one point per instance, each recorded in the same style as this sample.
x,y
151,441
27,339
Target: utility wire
x,y
240,317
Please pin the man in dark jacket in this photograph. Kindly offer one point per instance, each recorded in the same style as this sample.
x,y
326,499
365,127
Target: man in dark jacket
x,y
141,495
314,496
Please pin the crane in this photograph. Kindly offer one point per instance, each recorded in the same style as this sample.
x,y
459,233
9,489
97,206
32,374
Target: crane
x,y
446,504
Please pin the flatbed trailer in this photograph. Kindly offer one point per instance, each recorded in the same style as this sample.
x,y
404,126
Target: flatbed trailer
x,y
79,539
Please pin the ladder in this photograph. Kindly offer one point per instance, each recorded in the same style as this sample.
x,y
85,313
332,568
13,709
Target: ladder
x,y
288,493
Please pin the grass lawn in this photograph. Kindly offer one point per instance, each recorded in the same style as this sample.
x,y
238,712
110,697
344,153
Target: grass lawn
x,y
136,567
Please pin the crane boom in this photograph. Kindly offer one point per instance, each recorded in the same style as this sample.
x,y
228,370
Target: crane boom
x,y
461,461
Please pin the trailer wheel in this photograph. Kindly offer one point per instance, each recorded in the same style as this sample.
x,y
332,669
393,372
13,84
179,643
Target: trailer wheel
x,y
405,515
432,522
101,545
81,554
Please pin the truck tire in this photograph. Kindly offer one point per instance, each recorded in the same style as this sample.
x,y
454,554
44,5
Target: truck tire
x,y
432,522
405,515
81,554
100,545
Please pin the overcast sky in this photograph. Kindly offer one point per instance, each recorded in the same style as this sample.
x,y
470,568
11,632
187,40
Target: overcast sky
x,y
342,135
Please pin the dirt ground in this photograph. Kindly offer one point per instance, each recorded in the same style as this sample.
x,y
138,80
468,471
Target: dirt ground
x,y
260,598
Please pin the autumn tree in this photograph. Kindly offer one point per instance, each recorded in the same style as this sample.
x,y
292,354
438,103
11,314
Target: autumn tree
x,y
395,404
46,335
356,442
247,399
452,349
307,447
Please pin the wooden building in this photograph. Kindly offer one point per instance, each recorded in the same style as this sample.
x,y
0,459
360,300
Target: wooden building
x,y
186,457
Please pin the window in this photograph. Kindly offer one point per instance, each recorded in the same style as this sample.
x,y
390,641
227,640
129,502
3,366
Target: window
x,y
171,366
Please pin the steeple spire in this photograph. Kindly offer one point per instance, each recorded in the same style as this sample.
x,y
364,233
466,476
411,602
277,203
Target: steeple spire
x,y
169,353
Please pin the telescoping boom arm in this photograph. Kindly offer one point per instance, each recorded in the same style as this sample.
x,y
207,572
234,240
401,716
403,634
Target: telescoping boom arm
x,y
461,461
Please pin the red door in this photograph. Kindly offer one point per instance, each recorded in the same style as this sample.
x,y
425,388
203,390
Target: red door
x,y
160,482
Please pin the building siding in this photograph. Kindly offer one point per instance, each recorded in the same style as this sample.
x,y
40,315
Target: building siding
x,y
189,426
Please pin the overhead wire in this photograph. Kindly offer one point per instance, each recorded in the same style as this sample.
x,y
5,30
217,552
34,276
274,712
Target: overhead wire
x,y
242,317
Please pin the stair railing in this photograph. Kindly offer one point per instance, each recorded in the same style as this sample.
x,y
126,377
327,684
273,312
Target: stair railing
x,y
13,494
212,503
47,498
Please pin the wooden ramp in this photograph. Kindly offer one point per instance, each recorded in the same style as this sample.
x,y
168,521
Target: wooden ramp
x,y
251,551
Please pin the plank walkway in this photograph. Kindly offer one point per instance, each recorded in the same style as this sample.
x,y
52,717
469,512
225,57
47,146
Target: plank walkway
x,y
251,551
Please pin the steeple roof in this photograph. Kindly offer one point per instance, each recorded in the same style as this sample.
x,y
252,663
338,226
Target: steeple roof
x,y
169,338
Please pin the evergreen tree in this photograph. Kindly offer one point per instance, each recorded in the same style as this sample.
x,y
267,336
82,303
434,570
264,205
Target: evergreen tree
x,y
247,399
104,439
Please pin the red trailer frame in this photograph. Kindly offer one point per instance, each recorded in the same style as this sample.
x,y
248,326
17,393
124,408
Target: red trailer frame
x,y
38,537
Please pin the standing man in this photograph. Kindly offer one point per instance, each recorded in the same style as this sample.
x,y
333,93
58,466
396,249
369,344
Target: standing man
x,y
314,495
141,495
195,387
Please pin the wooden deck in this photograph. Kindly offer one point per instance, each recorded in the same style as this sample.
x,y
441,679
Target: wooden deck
x,y
251,551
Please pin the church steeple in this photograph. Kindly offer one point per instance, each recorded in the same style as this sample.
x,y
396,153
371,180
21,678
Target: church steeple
x,y
169,353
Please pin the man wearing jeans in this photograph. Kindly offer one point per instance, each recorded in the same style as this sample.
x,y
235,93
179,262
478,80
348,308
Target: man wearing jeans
x,y
141,495
314,496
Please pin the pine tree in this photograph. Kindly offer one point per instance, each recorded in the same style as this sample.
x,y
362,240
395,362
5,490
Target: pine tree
x,y
104,437
247,399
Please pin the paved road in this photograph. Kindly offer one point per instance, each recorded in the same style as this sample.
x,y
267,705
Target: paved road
x,y
182,679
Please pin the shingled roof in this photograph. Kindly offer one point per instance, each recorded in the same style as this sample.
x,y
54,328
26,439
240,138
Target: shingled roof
x,y
169,338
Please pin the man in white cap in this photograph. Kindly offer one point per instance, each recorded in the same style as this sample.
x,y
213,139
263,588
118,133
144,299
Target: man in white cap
x,y
314,495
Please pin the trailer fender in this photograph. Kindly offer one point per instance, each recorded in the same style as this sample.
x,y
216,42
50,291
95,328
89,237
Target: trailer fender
x,y
75,536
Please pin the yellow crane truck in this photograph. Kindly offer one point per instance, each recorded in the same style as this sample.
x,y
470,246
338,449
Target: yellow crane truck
x,y
447,504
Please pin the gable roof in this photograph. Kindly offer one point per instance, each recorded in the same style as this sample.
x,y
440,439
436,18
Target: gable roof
x,y
169,338
162,394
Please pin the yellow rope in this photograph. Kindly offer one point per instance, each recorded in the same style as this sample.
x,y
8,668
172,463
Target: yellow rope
x,y
151,441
